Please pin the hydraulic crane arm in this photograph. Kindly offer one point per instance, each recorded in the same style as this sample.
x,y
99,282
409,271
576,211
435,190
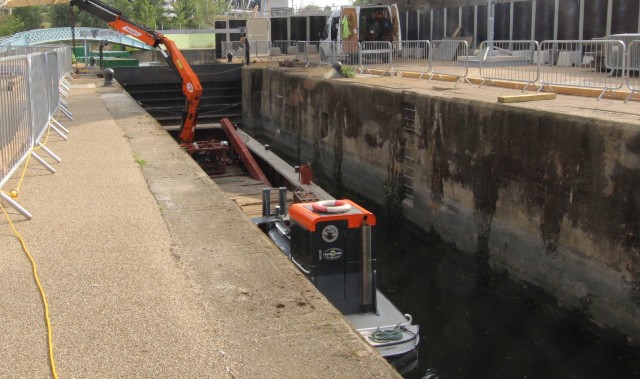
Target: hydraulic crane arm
x,y
191,86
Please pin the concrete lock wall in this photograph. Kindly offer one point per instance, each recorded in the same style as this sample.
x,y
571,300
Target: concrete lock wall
x,y
552,199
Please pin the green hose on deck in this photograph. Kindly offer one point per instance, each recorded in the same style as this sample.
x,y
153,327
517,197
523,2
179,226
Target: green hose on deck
x,y
381,336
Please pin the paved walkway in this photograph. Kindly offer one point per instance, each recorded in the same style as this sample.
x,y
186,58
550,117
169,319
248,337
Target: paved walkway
x,y
150,271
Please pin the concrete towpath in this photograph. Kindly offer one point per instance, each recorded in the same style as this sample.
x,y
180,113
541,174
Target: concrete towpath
x,y
150,271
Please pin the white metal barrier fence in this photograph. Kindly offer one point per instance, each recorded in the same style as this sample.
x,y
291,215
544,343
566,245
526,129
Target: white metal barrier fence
x,y
283,49
614,59
259,50
376,55
345,52
29,99
309,52
235,48
633,68
605,65
509,60
52,85
63,72
15,128
582,64
267,50
411,56
443,56
41,90
364,57
327,52
348,53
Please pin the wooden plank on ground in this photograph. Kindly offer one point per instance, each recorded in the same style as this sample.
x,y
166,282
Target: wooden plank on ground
x,y
527,97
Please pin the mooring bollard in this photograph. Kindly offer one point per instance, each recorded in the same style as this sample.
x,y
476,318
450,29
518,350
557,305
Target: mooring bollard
x,y
108,76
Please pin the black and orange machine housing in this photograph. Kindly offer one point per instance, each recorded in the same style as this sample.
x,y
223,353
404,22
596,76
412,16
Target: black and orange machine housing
x,y
334,251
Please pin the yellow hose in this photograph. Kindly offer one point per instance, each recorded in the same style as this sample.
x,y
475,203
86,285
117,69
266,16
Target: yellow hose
x,y
14,193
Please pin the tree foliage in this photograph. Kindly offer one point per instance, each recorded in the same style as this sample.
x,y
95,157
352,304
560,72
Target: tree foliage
x,y
185,14
210,9
31,17
60,16
148,13
9,25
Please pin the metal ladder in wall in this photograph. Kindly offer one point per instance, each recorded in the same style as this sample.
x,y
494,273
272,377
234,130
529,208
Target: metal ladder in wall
x,y
409,149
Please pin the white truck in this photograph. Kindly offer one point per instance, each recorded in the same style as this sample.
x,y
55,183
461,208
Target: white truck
x,y
371,26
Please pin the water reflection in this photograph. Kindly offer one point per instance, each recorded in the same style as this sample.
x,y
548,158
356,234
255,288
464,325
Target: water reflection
x,y
478,327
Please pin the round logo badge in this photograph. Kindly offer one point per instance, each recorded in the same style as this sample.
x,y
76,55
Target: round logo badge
x,y
189,87
330,233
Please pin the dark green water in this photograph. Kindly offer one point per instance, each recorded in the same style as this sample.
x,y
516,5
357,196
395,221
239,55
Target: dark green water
x,y
474,326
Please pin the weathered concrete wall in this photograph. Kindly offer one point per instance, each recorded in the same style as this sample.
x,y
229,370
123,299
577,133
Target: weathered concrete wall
x,y
551,198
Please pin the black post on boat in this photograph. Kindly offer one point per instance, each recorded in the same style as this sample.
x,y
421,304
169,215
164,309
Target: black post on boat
x,y
266,202
282,200
367,275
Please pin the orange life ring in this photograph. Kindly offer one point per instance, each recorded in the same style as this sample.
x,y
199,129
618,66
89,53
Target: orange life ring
x,y
331,206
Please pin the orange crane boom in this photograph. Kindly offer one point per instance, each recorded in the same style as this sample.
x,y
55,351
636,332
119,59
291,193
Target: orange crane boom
x,y
191,87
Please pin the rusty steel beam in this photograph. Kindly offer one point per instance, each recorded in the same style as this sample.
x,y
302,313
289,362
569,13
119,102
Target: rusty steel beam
x,y
241,149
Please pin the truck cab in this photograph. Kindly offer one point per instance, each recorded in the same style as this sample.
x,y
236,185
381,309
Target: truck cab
x,y
369,25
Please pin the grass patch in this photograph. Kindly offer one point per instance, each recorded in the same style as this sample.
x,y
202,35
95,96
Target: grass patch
x,y
141,162
348,72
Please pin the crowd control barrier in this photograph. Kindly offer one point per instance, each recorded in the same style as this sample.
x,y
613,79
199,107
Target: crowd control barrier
x,y
376,55
309,53
283,49
606,65
633,68
512,61
598,64
411,56
32,82
443,57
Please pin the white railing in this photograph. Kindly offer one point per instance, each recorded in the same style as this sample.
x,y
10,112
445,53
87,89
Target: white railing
x,y
443,57
607,65
309,52
327,52
15,116
31,86
376,55
411,56
511,61
633,68
346,52
284,49
582,64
